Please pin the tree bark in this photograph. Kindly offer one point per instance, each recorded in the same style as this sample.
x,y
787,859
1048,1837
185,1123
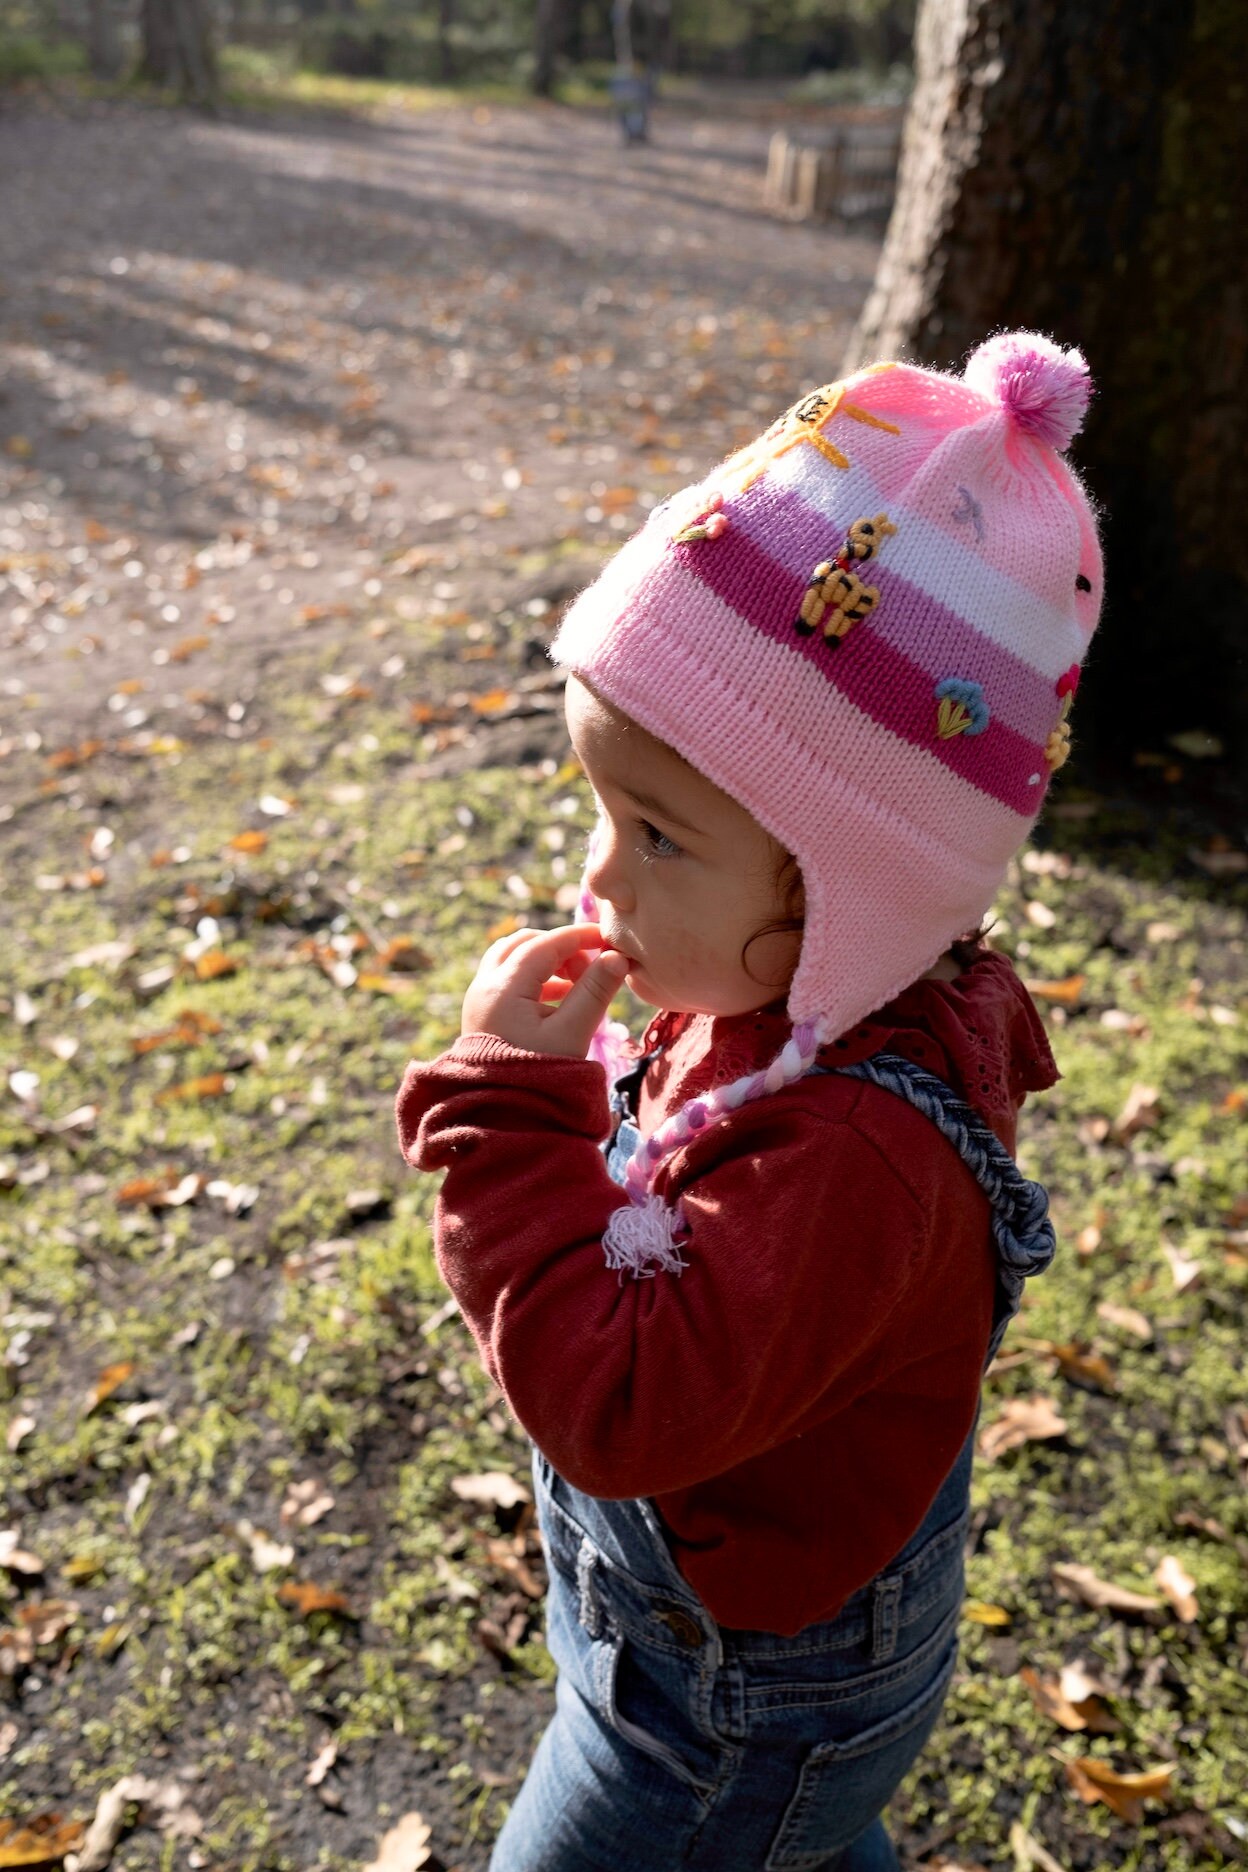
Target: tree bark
x,y
1074,169
178,51
103,47
551,23
446,59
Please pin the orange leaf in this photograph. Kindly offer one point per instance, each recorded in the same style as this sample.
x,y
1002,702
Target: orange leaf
x,y
493,701
1085,1367
1049,1698
372,983
208,1085
188,647
108,1381
1066,993
304,1598
43,1841
247,842
1125,1794
506,926
213,964
142,1190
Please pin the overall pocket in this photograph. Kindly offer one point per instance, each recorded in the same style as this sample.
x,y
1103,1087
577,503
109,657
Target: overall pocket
x,y
638,1656
846,1781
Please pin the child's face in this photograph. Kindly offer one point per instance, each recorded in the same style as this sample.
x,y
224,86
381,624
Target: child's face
x,y
684,876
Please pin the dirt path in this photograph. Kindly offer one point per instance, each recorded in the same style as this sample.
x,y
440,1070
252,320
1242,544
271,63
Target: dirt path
x,y
252,364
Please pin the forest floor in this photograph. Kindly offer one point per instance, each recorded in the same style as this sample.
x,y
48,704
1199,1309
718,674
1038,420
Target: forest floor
x,y
311,425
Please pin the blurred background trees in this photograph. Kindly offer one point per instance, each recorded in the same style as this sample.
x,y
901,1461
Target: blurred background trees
x,y
1070,167
1077,169
535,42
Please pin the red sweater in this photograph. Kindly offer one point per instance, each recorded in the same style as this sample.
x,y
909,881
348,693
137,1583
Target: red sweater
x,y
795,1398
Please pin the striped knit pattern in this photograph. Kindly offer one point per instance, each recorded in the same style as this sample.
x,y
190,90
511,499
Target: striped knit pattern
x,y
987,580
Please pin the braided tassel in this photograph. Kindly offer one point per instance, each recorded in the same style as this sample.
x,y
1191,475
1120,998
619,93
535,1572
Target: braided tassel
x,y
642,1240
641,1237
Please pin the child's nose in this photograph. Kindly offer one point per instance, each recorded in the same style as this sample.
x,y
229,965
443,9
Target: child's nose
x,y
605,871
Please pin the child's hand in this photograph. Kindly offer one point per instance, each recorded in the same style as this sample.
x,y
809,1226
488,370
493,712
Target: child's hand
x,y
544,990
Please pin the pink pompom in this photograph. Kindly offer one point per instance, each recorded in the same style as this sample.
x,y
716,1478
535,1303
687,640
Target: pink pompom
x,y
1043,389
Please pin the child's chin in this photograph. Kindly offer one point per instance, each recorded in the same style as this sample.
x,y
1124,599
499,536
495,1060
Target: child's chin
x,y
643,987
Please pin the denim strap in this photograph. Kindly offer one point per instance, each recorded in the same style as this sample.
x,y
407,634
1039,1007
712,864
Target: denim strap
x,y
1023,1233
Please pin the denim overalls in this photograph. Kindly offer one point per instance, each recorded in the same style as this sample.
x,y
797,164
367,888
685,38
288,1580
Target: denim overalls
x,y
677,1742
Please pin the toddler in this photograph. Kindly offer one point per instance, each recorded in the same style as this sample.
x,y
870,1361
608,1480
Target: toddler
x,y
740,1283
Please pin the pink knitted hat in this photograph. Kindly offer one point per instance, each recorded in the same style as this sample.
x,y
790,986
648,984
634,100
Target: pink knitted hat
x,y
867,627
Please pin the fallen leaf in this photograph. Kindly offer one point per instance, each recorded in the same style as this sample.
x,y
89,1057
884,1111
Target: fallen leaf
x,y
1125,1794
16,1559
166,1191
1076,1362
208,1085
1064,993
1127,1318
188,647
1050,1699
1081,1582
1184,1269
46,1620
306,1502
247,842
405,1848
981,1614
1140,1113
90,879
19,1428
1029,1852
1219,863
189,1028
267,1555
43,1841
213,964
404,956
492,1489
1022,1420
305,1599
493,702
1179,1587
320,1767
109,1380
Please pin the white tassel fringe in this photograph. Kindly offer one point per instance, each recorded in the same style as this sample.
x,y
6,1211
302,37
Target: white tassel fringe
x,y
640,1239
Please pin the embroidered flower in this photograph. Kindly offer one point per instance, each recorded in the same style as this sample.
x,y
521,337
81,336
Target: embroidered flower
x,y
962,708
708,523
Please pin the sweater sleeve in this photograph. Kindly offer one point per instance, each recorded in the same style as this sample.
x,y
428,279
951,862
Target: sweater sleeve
x,y
804,1240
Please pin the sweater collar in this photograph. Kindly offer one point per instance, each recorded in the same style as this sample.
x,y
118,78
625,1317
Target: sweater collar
x,y
982,1034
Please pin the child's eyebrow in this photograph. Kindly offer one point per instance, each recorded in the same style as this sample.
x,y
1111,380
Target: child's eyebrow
x,y
649,803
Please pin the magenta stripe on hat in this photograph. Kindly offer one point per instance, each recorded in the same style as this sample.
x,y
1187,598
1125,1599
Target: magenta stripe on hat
x,y
1025,696
871,673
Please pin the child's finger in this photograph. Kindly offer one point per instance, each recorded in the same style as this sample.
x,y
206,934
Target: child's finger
x,y
532,963
506,946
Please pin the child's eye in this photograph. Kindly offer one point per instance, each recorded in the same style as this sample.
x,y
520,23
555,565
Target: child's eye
x,y
658,845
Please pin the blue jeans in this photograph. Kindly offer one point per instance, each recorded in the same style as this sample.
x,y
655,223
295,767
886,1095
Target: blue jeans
x,y
680,1743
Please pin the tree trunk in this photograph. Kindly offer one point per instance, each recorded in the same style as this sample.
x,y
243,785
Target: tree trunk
x,y
178,51
103,48
446,59
1074,169
548,44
